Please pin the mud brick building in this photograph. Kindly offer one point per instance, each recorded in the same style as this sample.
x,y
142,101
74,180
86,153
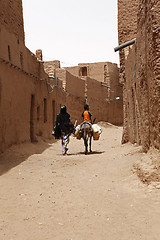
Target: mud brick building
x,y
140,71
98,82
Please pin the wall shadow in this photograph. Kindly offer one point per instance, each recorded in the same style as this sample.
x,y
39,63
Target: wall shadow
x,y
17,154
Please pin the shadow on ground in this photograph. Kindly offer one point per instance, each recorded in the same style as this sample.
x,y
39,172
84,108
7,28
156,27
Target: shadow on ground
x,y
17,154
83,153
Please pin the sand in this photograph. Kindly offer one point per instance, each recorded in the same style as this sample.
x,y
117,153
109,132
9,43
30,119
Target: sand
x,y
47,196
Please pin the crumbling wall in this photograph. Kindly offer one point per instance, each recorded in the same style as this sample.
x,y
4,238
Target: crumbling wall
x,y
142,74
51,66
127,28
153,69
60,73
131,131
148,72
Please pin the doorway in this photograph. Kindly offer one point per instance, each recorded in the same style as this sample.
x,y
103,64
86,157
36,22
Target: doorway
x,y
53,113
32,130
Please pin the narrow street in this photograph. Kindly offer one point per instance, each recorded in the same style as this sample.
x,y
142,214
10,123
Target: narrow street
x,y
47,196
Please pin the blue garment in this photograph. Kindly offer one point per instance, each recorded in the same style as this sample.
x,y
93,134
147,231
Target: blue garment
x,y
65,141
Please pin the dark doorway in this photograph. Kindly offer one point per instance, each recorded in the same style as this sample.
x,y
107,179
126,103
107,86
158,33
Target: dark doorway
x,y
32,131
53,112
45,110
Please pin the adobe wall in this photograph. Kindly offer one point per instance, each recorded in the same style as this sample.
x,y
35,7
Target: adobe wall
x,y
60,73
153,69
94,70
73,70
142,87
11,17
103,108
98,71
75,85
127,28
51,66
75,107
148,72
131,127
96,90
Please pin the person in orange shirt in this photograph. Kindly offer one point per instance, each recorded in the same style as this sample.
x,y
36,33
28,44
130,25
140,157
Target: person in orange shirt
x,y
86,114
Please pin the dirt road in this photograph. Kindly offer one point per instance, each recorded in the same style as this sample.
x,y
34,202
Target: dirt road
x,y
47,196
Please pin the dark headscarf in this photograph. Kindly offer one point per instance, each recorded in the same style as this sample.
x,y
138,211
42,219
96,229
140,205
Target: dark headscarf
x,y
63,109
86,107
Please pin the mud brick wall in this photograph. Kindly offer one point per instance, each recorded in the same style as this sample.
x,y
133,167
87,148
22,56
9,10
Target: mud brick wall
x,y
127,28
75,85
27,109
50,67
75,107
60,73
94,70
73,70
131,127
148,72
142,86
95,89
11,17
153,70
102,107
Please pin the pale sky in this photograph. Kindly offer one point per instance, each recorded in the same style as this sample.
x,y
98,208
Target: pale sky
x,y
72,31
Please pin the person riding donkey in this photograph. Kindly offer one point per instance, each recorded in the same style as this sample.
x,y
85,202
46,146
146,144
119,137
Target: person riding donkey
x,y
87,114
87,118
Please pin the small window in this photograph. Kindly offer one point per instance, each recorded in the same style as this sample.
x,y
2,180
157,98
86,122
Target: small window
x,y
84,71
21,59
9,53
38,113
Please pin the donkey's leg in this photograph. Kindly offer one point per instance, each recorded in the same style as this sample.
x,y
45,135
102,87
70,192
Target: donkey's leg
x,y
90,142
86,146
86,140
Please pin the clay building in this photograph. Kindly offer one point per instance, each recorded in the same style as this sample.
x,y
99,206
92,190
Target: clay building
x,y
140,72
98,83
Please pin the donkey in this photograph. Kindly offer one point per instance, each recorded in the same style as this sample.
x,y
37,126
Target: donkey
x,y
86,133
